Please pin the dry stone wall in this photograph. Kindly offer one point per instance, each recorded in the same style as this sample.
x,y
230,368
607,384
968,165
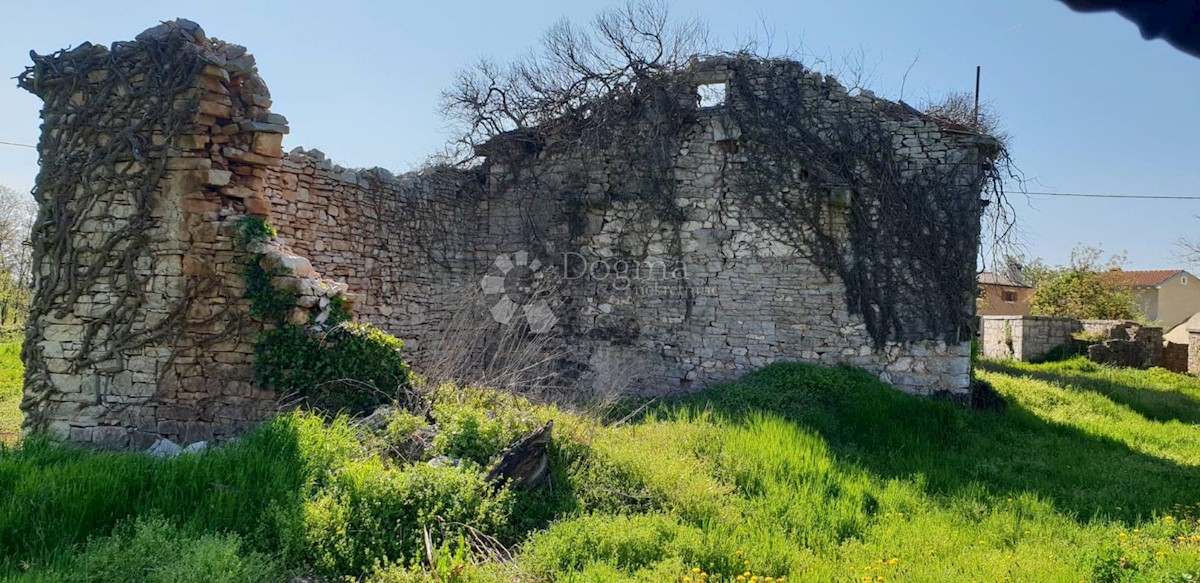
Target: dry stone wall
x,y
1193,356
1024,337
637,300
623,290
151,152
1028,338
1175,357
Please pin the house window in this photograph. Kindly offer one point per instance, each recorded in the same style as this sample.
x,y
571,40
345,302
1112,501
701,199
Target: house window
x,y
1183,280
1009,296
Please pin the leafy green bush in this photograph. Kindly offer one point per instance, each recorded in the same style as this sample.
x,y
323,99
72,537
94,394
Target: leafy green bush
x,y
152,550
1079,292
401,425
476,425
371,515
351,368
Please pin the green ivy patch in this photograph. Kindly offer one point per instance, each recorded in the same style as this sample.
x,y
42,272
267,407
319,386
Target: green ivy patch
x,y
267,303
254,229
352,368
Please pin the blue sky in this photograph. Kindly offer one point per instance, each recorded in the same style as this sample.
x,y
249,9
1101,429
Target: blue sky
x,y
1091,106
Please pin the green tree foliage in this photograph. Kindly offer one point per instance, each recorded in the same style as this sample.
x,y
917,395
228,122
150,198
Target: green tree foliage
x,y
1079,290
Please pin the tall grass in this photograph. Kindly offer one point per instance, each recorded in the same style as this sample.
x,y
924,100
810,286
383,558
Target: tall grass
x,y
828,475
11,371
794,471
60,496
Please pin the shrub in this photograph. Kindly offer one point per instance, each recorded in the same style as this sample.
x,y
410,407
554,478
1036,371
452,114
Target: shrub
x,y
152,550
1078,292
476,425
401,425
352,368
371,516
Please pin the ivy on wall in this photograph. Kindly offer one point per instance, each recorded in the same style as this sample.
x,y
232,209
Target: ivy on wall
x,y
335,366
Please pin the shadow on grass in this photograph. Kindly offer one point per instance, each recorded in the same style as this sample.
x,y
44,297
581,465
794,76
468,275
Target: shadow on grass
x,y
894,435
1151,403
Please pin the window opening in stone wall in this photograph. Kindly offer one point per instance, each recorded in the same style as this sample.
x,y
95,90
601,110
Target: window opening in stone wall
x,y
711,94
1010,296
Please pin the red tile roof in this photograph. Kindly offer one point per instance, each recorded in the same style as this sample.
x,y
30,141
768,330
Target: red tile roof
x,y
989,278
1150,278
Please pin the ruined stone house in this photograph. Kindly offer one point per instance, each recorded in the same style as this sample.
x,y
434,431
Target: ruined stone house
x,y
659,273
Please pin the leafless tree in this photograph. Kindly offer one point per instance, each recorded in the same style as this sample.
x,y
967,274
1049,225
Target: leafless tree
x,y
1188,250
573,68
17,213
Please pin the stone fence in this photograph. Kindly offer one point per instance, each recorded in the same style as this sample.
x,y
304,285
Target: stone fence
x,y
1029,338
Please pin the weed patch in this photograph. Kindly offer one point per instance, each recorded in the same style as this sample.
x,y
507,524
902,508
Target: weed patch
x,y
794,472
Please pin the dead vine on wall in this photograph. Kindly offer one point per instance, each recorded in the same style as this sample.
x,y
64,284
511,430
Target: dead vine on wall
x,y
903,235
110,119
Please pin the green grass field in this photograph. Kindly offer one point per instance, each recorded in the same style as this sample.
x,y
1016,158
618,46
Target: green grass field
x,y
794,472
10,391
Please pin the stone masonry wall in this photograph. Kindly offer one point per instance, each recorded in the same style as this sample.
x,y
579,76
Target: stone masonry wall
x,y
621,295
1029,338
1175,357
704,300
102,366
1193,347
1024,337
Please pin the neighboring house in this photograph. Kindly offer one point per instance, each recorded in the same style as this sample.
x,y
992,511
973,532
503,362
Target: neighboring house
x,y
1179,334
1166,296
1002,296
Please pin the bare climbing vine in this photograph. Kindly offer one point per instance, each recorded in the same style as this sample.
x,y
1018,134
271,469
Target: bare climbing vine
x,y
902,235
598,117
110,117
